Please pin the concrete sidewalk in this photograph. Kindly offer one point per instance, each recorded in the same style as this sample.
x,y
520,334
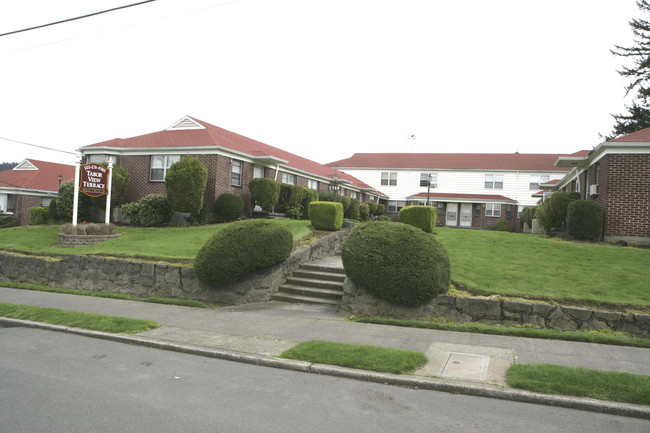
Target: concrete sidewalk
x,y
258,333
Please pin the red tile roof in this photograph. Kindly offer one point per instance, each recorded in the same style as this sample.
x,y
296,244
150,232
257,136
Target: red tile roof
x,y
214,136
435,196
453,161
642,136
45,178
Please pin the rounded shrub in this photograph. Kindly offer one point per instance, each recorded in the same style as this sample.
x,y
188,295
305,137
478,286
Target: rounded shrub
x,y
240,248
39,216
325,215
185,183
422,217
264,192
585,220
353,210
364,212
52,210
151,210
396,262
7,221
65,203
381,209
228,207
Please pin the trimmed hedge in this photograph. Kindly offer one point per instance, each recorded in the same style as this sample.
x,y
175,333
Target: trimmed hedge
x,y
422,217
151,210
353,210
396,262
185,183
502,226
555,209
325,215
39,216
7,221
264,192
65,203
228,207
240,248
585,220
527,216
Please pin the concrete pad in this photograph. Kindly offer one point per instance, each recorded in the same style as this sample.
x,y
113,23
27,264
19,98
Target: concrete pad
x,y
495,361
238,343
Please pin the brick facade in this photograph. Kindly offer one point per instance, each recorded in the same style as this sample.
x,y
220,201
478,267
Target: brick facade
x,y
23,205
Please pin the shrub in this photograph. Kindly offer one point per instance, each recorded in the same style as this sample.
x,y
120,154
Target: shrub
x,y
555,208
364,212
65,203
384,218
88,229
502,226
585,220
345,201
540,216
119,181
381,209
7,221
151,210
326,196
228,207
396,262
240,248
52,210
527,216
372,207
422,217
264,192
353,210
38,215
185,183
326,215
291,200
311,195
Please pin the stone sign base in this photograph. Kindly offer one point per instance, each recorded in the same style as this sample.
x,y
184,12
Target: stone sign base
x,y
83,240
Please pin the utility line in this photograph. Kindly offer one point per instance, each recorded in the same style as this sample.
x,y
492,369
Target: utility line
x,y
76,18
40,147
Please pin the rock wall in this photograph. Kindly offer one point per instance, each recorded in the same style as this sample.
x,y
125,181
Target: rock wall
x,y
498,311
157,279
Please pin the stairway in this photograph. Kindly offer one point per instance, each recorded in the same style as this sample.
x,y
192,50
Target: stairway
x,y
313,283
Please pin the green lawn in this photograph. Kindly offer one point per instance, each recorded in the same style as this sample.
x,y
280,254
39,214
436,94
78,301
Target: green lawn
x,y
534,266
168,243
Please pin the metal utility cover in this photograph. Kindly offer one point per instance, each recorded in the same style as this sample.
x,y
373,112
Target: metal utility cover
x,y
466,366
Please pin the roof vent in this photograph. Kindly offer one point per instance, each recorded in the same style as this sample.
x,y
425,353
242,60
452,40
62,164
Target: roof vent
x,y
185,123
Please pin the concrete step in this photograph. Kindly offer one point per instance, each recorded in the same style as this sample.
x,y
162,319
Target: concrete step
x,y
318,275
319,268
310,282
288,297
313,292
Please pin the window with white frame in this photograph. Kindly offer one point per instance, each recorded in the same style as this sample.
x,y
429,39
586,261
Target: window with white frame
x,y
389,178
395,206
536,180
98,159
235,173
258,171
492,210
354,195
424,179
288,178
160,164
493,181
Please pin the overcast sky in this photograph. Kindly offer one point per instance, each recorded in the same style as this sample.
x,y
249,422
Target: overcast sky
x,y
322,79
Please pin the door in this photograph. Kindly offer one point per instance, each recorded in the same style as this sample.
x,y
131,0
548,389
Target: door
x,y
452,215
466,215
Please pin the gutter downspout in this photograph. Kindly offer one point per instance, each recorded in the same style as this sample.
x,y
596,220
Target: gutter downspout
x,y
277,169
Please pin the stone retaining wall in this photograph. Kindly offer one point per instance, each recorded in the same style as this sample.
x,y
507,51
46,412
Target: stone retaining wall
x,y
66,240
498,311
157,279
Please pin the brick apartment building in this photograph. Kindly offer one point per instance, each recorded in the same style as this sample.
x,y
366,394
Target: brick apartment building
x,y
232,161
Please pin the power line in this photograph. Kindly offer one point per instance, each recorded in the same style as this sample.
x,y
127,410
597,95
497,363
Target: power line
x,y
40,147
76,18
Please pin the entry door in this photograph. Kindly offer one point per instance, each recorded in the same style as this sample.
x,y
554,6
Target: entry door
x,y
466,215
452,214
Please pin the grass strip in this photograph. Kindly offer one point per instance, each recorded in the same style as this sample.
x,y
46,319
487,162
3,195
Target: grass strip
x,y
95,322
479,328
580,382
111,295
357,356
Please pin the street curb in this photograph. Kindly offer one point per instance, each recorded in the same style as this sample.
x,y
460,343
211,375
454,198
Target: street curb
x,y
415,382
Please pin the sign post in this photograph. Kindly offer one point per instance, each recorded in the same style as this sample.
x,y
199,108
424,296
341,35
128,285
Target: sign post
x,y
75,200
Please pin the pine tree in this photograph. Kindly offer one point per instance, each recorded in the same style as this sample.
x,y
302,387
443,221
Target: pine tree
x,y
638,114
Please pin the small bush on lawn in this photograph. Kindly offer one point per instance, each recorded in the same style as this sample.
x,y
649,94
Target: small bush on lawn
x,y
151,210
384,218
353,210
345,201
7,221
65,203
372,207
527,216
364,212
228,207
52,211
240,248
422,217
311,195
381,209
326,196
293,199
585,220
119,180
326,215
185,183
264,192
555,209
38,216
502,226
396,262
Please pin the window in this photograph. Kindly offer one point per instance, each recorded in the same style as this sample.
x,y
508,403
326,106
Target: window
x,y
424,179
492,210
389,178
288,178
258,171
477,210
160,164
312,184
536,180
354,195
97,159
509,211
395,206
235,173
494,181
441,207
45,201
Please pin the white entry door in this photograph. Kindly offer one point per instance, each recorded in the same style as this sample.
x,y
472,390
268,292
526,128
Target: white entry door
x,y
452,215
466,215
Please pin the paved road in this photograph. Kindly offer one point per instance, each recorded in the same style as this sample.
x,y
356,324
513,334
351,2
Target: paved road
x,y
55,382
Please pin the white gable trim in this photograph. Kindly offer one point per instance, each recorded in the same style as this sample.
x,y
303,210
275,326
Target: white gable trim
x,y
25,165
184,124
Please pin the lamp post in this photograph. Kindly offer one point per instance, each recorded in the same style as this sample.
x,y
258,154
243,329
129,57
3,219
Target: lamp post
x,y
428,188
60,179
336,177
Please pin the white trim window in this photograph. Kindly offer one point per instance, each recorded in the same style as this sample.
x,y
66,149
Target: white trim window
x,y
312,184
258,171
389,178
493,210
159,166
493,181
235,172
288,178
424,179
395,206
354,195
537,179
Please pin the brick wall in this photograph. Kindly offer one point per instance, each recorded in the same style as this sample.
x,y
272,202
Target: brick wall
x,y
23,205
